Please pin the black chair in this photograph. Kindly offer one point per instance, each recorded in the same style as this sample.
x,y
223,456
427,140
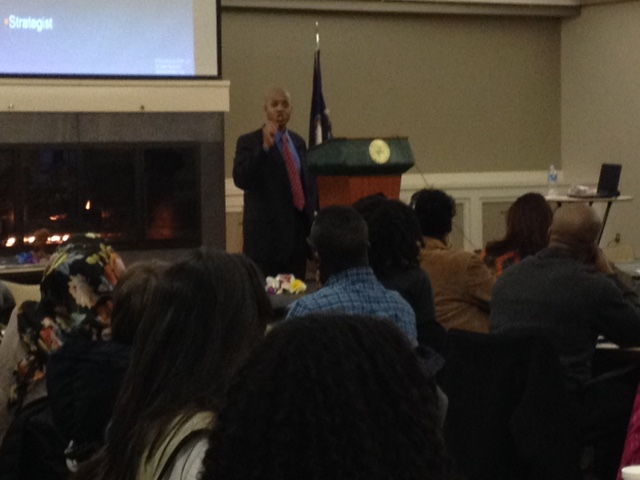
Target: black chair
x,y
32,447
510,416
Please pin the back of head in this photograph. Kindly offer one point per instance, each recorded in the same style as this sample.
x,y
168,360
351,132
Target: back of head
x,y
528,222
206,313
340,238
40,238
365,206
394,235
575,228
435,210
329,397
132,297
77,275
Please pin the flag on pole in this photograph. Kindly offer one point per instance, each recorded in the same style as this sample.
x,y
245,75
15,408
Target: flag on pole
x,y
319,123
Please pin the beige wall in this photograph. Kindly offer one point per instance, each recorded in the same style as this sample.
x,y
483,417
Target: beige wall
x,y
234,232
601,104
472,93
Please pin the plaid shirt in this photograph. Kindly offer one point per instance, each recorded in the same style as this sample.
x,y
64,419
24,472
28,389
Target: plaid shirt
x,y
357,291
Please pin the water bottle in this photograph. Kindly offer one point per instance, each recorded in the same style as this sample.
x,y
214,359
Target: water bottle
x,y
552,181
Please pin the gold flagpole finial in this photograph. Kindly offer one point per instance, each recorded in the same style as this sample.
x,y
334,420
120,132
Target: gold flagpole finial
x,y
317,37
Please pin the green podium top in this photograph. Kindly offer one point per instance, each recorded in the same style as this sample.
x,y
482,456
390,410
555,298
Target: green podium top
x,y
361,156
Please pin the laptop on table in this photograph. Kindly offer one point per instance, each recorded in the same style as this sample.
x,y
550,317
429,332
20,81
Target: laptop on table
x,y
608,183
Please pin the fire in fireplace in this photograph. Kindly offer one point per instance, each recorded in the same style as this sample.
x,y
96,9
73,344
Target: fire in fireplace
x,y
141,197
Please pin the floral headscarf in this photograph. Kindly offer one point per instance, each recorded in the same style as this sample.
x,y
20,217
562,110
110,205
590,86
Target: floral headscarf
x,y
79,276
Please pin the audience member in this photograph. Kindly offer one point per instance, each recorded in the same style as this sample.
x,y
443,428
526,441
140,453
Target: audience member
x,y
462,283
39,252
395,242
84,376
206,313
569,292
528,222
77,276
339,241
329,396
40,249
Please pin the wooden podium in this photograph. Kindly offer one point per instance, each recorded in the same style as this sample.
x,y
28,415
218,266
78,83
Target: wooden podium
x,y
349,169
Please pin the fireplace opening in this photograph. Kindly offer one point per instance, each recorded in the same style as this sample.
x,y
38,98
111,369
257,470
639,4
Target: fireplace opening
x,y
141,197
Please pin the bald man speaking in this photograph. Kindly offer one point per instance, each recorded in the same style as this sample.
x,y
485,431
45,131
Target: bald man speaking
x,y
280,194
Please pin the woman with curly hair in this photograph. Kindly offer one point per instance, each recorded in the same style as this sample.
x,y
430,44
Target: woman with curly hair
x,y
205,315
330,396
528,222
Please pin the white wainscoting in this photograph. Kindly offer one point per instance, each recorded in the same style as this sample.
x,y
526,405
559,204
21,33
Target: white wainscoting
x,y
471,191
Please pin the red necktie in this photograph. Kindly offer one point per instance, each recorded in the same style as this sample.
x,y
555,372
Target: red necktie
x,y
294,176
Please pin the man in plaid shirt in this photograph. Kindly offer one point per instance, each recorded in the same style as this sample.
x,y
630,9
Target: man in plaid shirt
x,y
339,241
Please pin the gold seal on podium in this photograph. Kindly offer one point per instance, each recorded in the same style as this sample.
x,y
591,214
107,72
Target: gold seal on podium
x,y
379,151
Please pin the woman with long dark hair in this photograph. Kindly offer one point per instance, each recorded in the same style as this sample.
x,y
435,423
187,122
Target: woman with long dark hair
x,y
207,312
84,377
528,222
330,396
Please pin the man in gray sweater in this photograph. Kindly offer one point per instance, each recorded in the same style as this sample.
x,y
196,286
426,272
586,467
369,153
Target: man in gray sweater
x,y
569,292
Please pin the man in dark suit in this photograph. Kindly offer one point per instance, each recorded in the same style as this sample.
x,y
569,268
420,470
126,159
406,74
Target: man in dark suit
x,y
280,194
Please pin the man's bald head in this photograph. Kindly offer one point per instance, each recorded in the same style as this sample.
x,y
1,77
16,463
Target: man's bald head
x,y
575,227
276,92
277,106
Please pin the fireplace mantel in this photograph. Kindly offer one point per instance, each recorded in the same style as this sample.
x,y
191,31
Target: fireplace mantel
x,y
103,95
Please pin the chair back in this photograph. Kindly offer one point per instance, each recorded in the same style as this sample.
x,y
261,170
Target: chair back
x,y
509,415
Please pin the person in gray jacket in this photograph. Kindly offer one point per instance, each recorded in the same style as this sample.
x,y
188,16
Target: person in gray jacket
x,y
569,292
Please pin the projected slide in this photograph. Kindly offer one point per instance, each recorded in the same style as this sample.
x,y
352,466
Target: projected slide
x,y
94,38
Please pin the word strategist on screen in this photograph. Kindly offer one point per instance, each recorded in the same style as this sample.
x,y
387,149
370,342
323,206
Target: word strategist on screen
x,y
113,38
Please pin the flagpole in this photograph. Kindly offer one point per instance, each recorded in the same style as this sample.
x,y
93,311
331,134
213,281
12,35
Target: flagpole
x,y
319,123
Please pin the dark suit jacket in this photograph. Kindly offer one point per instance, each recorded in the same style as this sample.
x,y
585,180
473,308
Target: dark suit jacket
x,y
269,214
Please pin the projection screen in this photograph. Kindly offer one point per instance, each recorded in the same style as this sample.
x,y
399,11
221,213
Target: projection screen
x,y
110,39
